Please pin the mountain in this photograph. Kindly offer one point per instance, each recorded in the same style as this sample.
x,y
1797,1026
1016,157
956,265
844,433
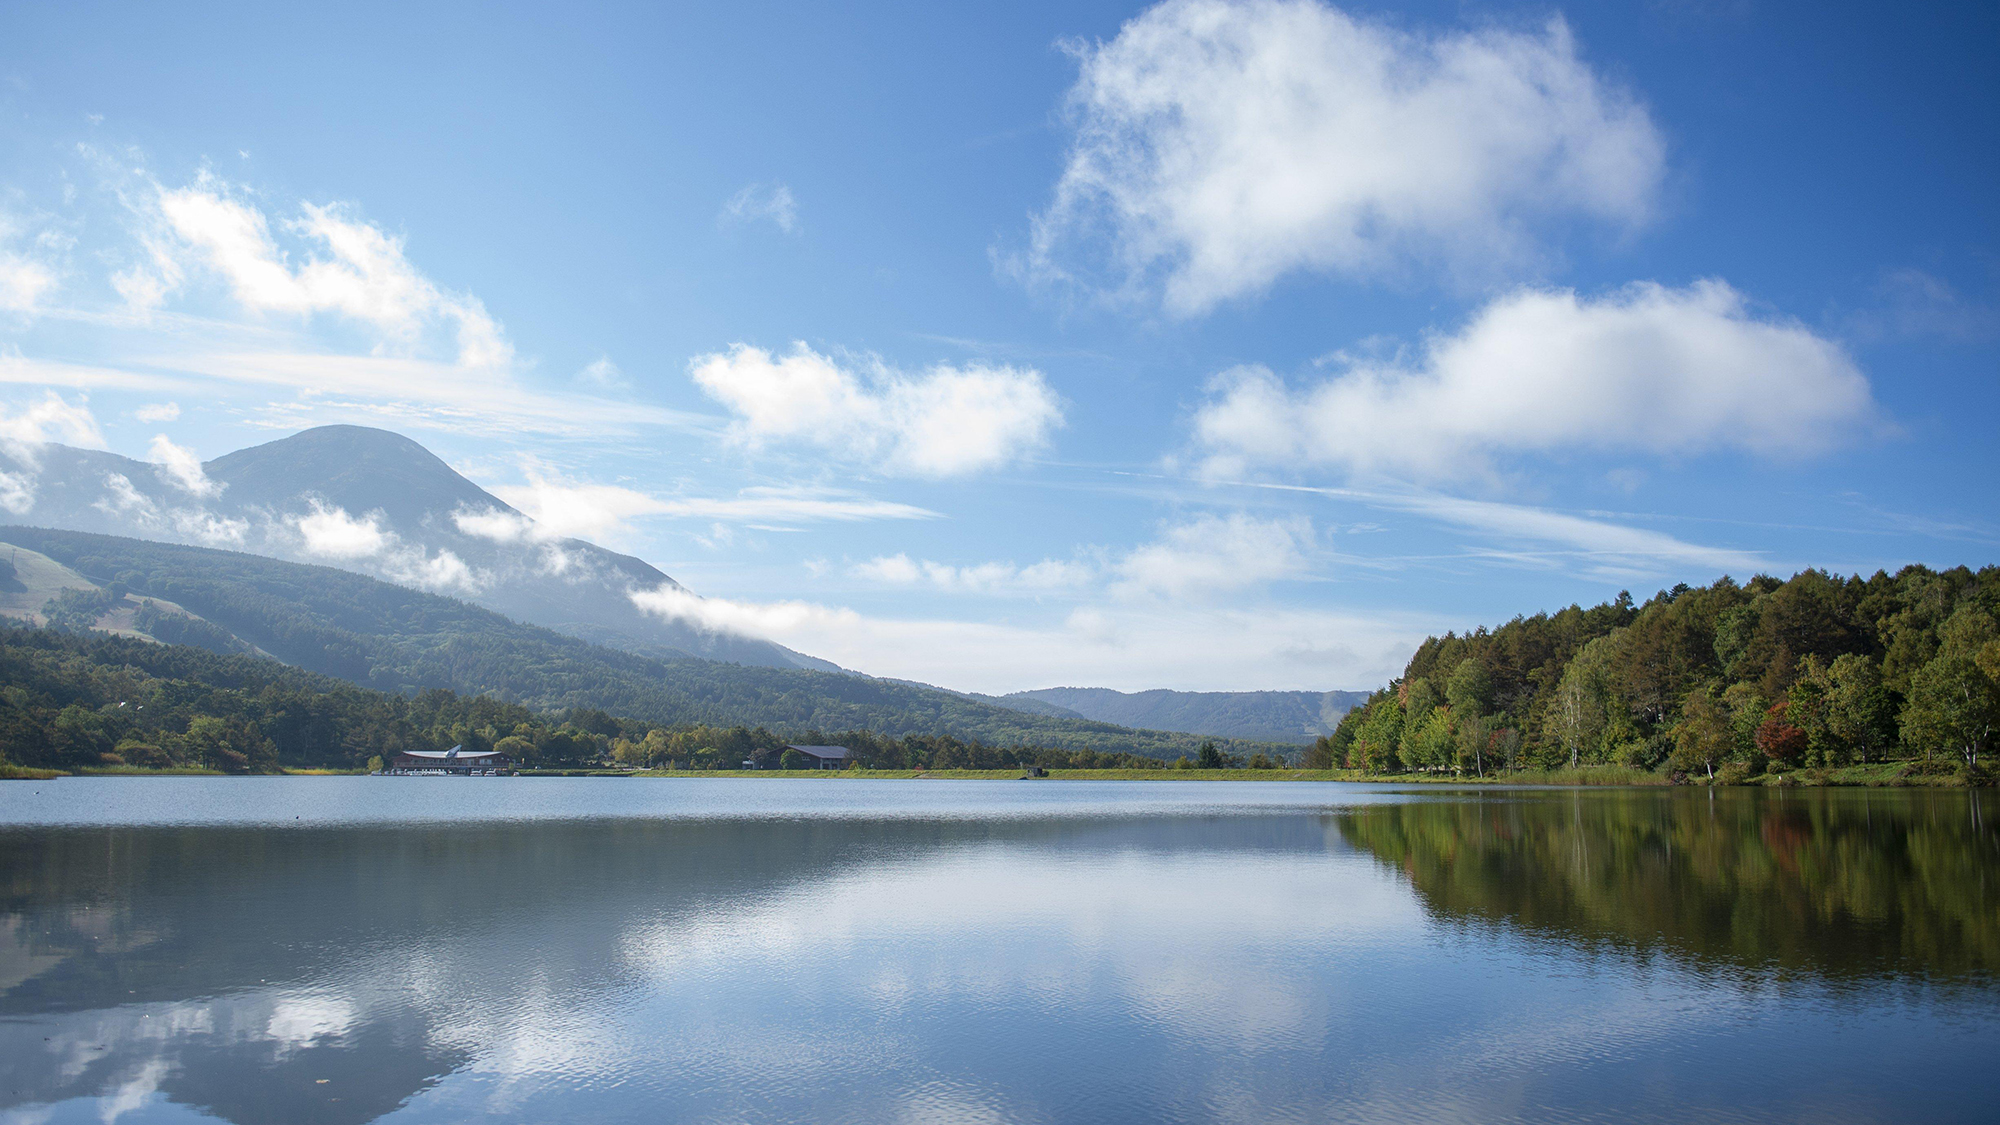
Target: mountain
x,y
379,504
1269,716
396,639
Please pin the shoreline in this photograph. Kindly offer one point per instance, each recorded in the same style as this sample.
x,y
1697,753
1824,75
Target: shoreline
x,y
1895,775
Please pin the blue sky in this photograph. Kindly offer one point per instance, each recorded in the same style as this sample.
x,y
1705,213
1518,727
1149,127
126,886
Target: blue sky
x,y
1202,345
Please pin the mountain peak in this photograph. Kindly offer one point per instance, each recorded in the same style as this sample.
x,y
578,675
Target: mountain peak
x,y
359,468
408,496
367,439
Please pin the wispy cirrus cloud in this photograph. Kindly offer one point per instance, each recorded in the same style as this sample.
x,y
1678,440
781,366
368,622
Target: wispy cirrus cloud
x,y
399,391
1910,303
555,505
1191,559
1127,645
1588,543
772,202
224,296
1046,576
782,503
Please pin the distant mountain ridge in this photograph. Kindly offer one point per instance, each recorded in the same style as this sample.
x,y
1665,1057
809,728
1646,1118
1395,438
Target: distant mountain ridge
x,y
393,638
1267,716
380,504
376,503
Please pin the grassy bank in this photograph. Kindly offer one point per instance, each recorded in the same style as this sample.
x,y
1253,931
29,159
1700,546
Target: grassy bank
x,y
1015,775
26,773
142,771
1879,774
1600,775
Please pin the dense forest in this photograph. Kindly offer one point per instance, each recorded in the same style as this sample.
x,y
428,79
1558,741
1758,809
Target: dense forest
x,y
1725,683
404,642
81,700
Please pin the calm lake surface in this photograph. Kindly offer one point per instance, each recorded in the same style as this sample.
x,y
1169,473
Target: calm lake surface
x,y
345,950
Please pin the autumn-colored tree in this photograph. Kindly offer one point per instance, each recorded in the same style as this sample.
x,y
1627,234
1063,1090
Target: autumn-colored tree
x,y
1780,740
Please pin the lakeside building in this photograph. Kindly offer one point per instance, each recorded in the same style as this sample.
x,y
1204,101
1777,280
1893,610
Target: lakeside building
x,y
825,757
455,761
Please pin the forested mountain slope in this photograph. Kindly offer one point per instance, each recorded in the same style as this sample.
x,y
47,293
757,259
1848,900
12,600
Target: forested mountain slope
x,y
1275,716
75,699
403,641
1731,679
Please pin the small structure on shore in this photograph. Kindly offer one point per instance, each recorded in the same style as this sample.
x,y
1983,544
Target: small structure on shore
x,y
456,761
826,757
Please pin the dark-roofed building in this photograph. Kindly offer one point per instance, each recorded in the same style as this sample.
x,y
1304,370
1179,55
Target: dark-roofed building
x,y
456,760
826,757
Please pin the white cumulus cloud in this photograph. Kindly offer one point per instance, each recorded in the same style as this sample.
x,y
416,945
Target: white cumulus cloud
x,y
182,468
354,269
497,525
1222,144
603,373
563,508
1212,553
121,497
946,421
25,430
158,412
1648,368
25,278
330,532
23,283
442,571
756,619
206,527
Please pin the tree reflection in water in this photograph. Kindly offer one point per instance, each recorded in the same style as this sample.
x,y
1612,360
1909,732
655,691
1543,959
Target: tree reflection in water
x,y
1841,885
1341,954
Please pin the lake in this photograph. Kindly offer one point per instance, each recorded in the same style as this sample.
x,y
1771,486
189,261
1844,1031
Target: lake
x,y
354,949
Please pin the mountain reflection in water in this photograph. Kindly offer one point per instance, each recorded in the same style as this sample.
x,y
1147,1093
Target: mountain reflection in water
x,y
1489,955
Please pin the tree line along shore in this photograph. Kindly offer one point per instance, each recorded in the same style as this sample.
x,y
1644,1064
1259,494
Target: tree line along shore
x,y
1813,680
1885,680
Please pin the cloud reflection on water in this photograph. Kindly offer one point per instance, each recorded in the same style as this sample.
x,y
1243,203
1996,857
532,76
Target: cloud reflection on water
x,y
1225,966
